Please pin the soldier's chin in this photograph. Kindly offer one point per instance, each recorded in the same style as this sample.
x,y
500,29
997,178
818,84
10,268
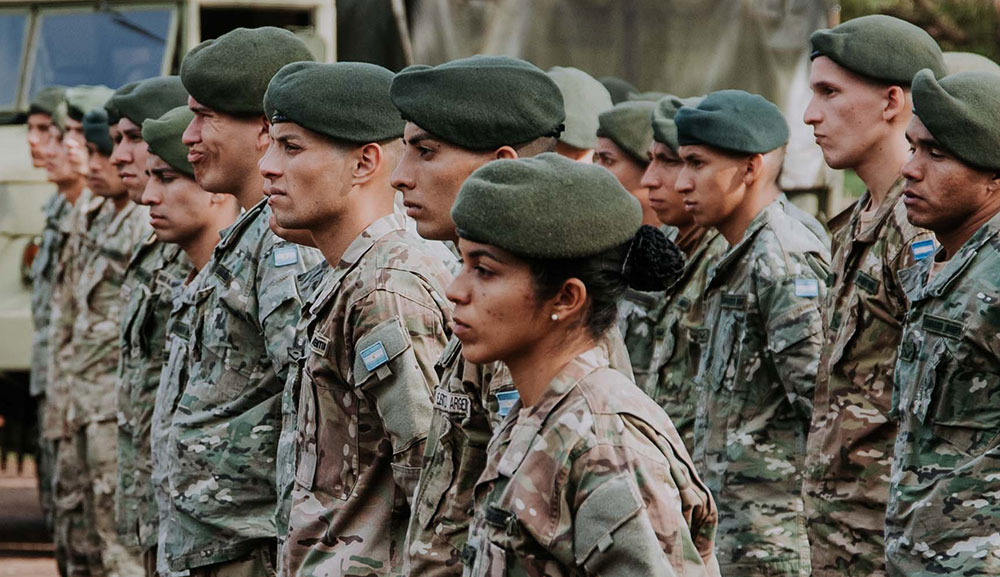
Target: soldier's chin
x,y
476,353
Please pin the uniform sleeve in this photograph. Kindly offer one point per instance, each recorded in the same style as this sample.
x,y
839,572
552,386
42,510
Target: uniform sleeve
x,y
789,306
398,336
279,303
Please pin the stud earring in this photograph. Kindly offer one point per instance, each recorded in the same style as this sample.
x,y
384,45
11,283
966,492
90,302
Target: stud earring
x,y
555,317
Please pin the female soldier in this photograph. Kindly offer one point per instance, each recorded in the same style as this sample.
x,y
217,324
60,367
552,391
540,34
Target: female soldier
x,y
587,475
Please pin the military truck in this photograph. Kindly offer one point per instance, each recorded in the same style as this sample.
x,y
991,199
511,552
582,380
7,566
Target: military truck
x,y
111,42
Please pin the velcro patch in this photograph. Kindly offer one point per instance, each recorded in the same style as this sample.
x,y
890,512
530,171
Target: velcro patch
x,y
453,403
319,345
506,400
285,256
922,249
731,301
831,279
943,327
684,304
374,356
806,288
223,273
699,335
866,282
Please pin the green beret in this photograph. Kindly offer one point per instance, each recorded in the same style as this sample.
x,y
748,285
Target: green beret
x,y
82,99
546,207
150,98
584,98
163,136
733,120
619,89
46,100
111,106
96,131
962,112
880,47
230,73
481,102
969,62
346,101
627,125
664,128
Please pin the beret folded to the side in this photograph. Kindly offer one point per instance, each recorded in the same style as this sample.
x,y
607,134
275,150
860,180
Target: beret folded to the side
x,y
962,112
733,120
163,136
480,102
346,101
46,100
96,131
584,99
628,126
150,98
546,207
662,119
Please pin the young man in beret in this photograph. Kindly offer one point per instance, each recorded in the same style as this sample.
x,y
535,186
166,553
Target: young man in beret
x,y
55,210
584,97
861,104
679,319
186,217
154,269
371,331
91,417
456,123
229,348
756,373
942,517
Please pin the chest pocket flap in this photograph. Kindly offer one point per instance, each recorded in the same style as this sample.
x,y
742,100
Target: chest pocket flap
x,y
375,350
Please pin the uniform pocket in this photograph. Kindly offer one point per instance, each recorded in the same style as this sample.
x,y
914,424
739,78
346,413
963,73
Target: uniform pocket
x,y
965,406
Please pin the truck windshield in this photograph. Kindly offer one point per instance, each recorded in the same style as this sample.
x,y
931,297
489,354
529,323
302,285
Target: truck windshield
x,y
113,46
13,31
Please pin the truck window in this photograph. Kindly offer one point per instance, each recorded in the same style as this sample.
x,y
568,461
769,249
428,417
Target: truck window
x,y
112,46
13,33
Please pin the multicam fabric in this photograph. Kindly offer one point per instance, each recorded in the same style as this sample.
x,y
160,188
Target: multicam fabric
x,y
591,480
470,403
942,516
849,451
224,432
154,273
43,273
755,382
680,334
375,326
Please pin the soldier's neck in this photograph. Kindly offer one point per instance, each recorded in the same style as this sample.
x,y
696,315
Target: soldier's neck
x,y
250,191
71,190
755,200
534,368
880,169
368,205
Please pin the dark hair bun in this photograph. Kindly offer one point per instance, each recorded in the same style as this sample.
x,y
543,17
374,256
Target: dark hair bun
x,y
653,262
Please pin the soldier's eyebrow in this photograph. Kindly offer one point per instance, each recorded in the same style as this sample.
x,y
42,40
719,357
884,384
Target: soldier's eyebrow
x,y
159,172
484,253
418,138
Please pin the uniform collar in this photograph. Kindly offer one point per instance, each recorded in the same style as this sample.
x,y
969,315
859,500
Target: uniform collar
x,y
229,234
869,234
736,252
563,383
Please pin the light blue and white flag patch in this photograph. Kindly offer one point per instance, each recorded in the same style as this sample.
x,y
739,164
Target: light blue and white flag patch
x,y
806,287
374,356
506,399
286,255
922,249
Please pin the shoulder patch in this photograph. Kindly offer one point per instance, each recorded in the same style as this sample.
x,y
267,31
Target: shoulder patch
x,y
374,356
506,400
922,249
377,348
286,255
806,287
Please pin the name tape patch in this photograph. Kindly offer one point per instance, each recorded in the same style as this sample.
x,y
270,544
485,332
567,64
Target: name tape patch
x,y
506,400
286,256
806,287
454,403
374,356
319,345
922,249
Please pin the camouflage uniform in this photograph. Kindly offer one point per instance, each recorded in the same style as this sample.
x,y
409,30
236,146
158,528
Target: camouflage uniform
x,y
849,450
942,516
154,272
469,405
92,414
591,480
637,314
809,221
224,432
680,334
374,327
43,270
755,382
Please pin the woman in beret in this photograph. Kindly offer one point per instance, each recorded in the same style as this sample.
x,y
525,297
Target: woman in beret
x,y
587,475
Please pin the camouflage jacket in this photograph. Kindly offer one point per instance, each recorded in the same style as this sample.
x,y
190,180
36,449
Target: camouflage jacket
x,y
680,334
375,327
224,431
155,271
942,516
96,336
815,227
308,282
469,405
43,273
849,450
591,480
184,299
755,382
77,250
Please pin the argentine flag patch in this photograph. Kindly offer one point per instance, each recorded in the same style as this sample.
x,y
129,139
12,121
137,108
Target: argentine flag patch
x,y
506,400
922,249
806,287
374,356
286,255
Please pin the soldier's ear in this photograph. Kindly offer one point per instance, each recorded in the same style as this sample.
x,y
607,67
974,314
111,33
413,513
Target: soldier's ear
x,y
505,153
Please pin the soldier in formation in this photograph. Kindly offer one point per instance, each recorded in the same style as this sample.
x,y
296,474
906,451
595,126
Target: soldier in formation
x,y
234,385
